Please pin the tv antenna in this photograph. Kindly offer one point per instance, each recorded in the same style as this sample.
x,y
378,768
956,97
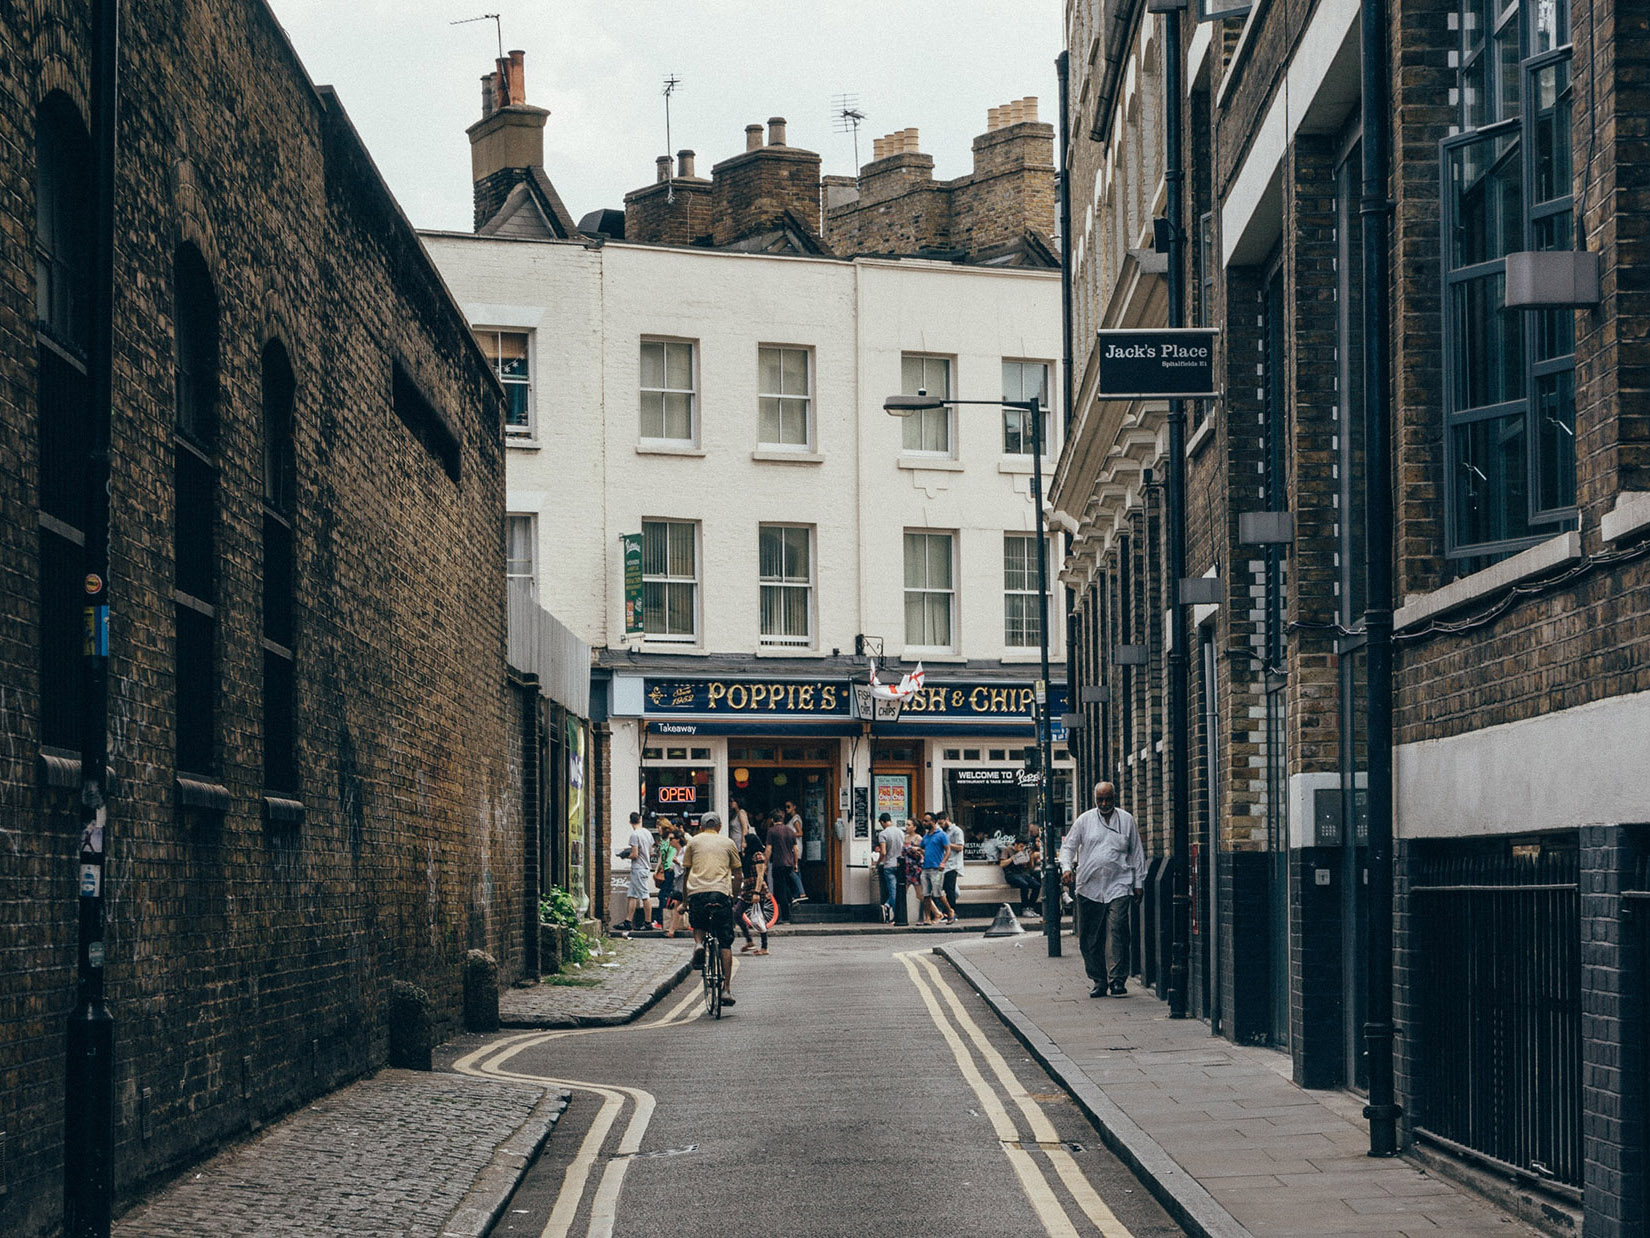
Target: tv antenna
x,y
497,25
846,115
672,82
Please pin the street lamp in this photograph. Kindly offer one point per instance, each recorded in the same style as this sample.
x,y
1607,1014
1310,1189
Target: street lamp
x,y
905,406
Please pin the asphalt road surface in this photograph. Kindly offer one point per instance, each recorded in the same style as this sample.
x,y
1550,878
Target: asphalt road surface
x,y
858,1087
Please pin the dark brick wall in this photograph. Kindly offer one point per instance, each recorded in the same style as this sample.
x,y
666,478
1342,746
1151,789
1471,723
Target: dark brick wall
x,y
753,191
669,214
1615,963
247,964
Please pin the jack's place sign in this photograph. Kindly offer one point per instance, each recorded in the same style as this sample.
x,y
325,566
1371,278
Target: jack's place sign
x,y
1170,363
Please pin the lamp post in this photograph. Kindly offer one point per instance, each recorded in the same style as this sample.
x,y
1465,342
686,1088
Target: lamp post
x,y
905,406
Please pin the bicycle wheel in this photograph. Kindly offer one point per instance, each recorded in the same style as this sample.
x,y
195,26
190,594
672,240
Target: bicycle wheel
x,y
713,976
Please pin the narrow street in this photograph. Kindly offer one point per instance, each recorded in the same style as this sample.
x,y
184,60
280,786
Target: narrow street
x,y
857,1087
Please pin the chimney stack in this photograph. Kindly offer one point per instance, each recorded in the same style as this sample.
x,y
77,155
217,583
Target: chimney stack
x,y
661,169
776,131
753,137
684,164
507,143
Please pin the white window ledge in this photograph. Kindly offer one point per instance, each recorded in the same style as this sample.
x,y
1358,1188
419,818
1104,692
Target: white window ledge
x,y
1630,515
941,464
1543,557
933,655
1204,432
779,455
1021,465
686,651
1018,656
660,447
785,651
522,442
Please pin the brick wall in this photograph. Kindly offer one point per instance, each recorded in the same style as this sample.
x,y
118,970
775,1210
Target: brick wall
x,y
248,963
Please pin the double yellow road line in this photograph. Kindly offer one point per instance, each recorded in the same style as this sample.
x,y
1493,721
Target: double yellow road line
x,y
954,1023
490,1062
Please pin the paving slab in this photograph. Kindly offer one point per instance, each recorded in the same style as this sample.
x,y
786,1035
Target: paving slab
x,y
404,1152
630,976
1219,1132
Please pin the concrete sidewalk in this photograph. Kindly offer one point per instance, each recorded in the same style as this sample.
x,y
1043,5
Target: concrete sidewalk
x,y
1219,1132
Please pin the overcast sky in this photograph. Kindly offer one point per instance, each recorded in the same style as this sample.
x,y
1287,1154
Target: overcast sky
x,y
411,81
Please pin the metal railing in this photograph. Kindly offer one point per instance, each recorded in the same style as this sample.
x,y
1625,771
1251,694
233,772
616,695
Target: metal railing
x,y
1498,997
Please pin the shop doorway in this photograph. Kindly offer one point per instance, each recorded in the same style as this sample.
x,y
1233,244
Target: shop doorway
x,y
766,775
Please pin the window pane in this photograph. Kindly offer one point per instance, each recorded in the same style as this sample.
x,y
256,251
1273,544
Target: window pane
x,y
679,614
510,353
1550,139
1491,497
679,366
910,375
681,550
655,548
793,425
938,617
1555,421
914,633
653,414
795,371
678,415
768,420
939,561
518,547
767,370
653,365
1486,178
916,563
1489,344
796,554
517,415
770,553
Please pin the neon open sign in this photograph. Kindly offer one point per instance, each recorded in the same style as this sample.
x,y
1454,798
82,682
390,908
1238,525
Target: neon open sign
x,y
678,795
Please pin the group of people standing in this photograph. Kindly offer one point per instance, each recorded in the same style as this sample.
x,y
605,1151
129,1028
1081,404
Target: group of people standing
x,y
1102,862
928,854
770,852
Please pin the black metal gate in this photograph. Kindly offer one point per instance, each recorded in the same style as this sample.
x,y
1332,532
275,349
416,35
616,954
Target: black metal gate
x,y
1498,992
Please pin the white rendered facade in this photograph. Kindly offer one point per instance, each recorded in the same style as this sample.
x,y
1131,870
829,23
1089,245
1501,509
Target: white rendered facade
x,y
648,369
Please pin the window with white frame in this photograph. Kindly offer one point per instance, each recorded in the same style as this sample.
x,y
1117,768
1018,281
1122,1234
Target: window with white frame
x,y
930,590
1021,381
508,353
784,397
521,550
786,568
1020,611
669,390
670,580
930,429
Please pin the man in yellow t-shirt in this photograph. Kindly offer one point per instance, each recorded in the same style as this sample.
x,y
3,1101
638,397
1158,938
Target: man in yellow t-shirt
x,y
709,862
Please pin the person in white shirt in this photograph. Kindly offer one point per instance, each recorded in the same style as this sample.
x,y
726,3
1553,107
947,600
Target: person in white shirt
x,y
639,851
1102,857
890,855
954,861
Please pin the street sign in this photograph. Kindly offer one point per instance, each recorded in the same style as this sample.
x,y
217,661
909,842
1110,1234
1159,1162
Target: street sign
x,y
632,543
1169,363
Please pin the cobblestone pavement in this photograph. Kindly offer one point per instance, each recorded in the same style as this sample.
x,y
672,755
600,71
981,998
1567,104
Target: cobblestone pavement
x,y
1219,1131
634,974
404,1152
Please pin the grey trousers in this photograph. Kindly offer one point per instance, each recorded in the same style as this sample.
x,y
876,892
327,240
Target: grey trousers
x,y
1103,934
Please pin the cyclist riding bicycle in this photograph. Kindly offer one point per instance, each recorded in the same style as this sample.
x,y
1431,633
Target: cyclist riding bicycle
x,y
709,862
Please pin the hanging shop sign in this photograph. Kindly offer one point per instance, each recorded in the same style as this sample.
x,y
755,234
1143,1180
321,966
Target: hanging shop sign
x,y
633,620
1168,363
720,698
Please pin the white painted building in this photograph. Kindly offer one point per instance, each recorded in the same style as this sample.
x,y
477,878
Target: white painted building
x,y
728,407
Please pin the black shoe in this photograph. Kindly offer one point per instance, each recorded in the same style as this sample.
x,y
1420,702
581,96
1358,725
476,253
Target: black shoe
x,y
1098,990
699,959
727,999
1119,989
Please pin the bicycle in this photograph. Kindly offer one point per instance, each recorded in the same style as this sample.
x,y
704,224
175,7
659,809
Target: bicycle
x,y
713,975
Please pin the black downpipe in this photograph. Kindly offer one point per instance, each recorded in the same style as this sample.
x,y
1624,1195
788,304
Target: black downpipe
x,y
1374,214
1174,180
89,1078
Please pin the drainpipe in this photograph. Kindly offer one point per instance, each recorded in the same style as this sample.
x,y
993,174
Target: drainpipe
x,y
1174,178
89,1079
1374,214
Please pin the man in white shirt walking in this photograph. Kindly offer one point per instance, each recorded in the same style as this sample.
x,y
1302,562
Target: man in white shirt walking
x,y
1103,858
